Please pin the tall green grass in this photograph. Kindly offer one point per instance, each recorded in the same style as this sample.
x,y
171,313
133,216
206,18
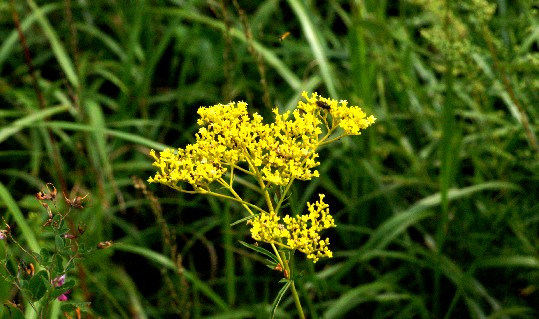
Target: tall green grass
x,y
435,204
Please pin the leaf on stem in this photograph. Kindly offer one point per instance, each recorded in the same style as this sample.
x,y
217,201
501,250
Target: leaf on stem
x,y
279,297
243,219
261,251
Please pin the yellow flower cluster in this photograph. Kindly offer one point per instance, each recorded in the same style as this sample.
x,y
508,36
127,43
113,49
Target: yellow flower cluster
x,y
231,141
351,119
300,232
278,153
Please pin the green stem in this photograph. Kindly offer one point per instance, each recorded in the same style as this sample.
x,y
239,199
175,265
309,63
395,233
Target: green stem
x,y
253,170
296,300
284,263
283,195
211,193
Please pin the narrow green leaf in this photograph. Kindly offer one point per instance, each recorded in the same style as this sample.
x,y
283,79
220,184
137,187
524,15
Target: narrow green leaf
x,y
29,120
57,48
239,221
313,37
18,216
510,262
136,139
349,300
261,251
279,297
10,42
271,264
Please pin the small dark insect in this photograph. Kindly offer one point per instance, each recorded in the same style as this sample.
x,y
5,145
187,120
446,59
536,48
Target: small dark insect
x,y
323,105
283,36
81,229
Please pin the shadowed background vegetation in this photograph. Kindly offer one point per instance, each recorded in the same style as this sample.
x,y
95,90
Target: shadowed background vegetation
x,y
436,204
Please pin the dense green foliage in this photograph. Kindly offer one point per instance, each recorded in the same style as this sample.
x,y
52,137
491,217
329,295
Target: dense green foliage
x,y
436,204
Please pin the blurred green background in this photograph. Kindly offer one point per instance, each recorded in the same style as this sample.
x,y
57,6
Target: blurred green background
x,y
436,204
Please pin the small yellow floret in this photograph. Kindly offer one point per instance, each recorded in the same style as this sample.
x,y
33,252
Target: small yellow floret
x,y
300,232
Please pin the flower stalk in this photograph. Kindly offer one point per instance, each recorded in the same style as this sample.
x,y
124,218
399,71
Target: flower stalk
x,y
274,155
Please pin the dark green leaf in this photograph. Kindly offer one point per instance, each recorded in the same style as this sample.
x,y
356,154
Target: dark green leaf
x,y
271,264
38,285
11,311
261,251
279,297
45,256
59,242
58,265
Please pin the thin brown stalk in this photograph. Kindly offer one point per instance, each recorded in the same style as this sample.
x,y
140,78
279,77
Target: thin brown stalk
x,y
532,139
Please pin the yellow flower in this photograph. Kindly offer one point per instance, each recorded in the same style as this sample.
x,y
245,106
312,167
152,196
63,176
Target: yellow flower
x,y
277,153
301,232
266,227
351,119
305,229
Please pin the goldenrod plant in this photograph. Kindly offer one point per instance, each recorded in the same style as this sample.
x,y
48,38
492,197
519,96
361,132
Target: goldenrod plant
x,y
231,142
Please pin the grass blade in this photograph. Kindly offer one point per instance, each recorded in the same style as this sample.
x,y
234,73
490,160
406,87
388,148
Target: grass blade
x,y
57,48
317,47
29,120
279,297
18,216
166,262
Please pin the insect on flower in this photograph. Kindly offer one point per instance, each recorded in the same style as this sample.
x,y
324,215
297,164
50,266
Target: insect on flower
x,y
323,105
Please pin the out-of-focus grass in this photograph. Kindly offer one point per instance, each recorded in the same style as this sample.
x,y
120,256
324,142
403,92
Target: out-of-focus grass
x,y
435,203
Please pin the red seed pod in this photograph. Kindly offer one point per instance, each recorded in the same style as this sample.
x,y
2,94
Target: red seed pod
x,y
75,202
104,244
50,196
